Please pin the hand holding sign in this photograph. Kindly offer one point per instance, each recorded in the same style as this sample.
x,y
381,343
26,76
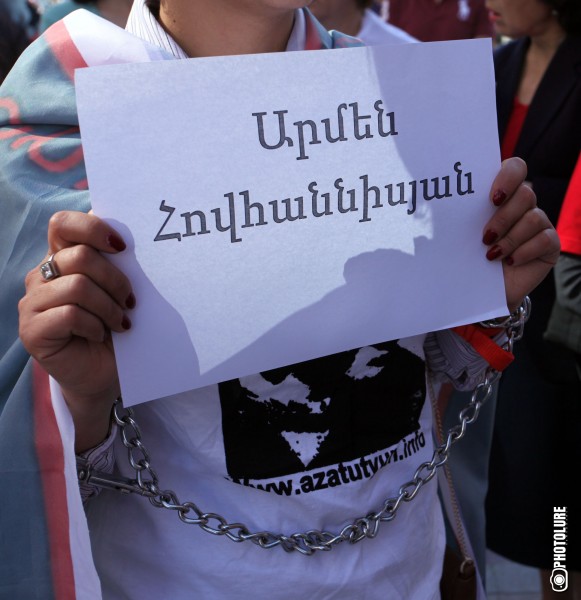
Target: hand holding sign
x,y
520,233
277,251
51,334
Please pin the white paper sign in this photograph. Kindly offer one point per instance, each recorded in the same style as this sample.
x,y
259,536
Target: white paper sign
x,y
287,206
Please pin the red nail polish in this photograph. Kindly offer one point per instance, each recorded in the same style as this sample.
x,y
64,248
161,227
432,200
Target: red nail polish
x,y
509,260
498,197
116,242
490,237
130,302
125,323
494,252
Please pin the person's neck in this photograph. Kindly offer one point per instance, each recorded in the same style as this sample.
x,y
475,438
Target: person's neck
x,y
347,20
541,51
544,45
225,27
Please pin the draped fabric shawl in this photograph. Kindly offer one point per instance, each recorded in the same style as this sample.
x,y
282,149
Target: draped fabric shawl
x,y
44,542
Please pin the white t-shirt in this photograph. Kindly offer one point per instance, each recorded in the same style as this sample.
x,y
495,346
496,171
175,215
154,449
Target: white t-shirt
x,y
312,446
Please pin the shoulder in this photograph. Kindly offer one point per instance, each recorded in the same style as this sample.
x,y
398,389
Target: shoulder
x,y
571,48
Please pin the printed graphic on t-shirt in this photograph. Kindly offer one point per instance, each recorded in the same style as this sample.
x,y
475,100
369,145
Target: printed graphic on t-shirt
x,y
342,410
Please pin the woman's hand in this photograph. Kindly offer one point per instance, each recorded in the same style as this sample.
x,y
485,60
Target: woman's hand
x,y
520,234
65,322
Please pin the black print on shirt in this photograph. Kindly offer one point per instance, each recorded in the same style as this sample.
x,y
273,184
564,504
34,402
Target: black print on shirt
x,y
321,412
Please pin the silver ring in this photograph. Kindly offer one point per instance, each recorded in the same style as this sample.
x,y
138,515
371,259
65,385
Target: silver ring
x,y
49,270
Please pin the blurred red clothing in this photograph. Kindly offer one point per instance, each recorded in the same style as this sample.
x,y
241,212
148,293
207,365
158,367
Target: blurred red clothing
x,y
569,225
438,20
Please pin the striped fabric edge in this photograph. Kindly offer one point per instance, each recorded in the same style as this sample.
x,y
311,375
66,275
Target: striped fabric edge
x,y
51,460
97,41
73,572
63,48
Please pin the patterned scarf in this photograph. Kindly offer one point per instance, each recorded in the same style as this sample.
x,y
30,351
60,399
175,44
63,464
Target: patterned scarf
x,y
44,542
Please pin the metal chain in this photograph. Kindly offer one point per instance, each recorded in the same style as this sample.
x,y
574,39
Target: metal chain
x,y
146,482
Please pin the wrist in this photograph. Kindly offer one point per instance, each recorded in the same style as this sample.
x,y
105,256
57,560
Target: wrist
x,y
91,417
480,335
481,340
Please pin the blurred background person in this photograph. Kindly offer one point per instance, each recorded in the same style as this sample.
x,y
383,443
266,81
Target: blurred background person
x,y
357,18
18,28
25,13
535,448
116,11
565,322
439,20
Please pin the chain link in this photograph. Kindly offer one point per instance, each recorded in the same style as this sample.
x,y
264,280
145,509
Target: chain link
x,y
146,482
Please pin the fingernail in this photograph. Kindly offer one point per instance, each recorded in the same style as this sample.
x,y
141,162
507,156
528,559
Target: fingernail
x,y
116,242
125,322
498,197
130,302
490,237
494,252
509,260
